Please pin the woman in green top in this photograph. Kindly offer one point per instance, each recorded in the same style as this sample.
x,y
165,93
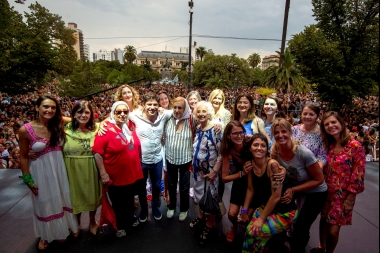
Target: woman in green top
x,y
85,186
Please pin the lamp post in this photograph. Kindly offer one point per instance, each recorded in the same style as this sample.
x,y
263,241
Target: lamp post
x,y
100,79
191,4
232,67
287,6
235,87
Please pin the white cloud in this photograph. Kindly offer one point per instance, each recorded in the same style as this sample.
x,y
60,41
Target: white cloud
x,y
143,18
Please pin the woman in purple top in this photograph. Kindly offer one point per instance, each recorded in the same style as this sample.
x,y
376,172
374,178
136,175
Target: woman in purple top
x,y
309,133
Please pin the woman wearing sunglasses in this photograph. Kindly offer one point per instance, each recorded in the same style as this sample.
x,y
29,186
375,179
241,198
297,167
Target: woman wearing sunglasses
x,y
117,154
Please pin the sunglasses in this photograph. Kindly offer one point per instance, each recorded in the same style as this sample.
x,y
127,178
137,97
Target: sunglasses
x,y
120,112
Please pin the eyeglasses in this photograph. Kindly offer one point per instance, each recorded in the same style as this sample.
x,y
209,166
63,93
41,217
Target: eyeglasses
x,y
238,133
120,112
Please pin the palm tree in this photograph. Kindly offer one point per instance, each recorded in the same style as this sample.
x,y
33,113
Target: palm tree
x,y
254,60
130,53
215,83
286,76
200,52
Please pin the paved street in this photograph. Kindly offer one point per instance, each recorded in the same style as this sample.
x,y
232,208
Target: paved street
x,y
17,235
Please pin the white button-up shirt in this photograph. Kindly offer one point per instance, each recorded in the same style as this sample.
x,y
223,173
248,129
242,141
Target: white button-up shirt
x,y
150,135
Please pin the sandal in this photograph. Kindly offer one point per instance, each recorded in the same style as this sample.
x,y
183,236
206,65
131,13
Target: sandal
x,y
318,250
94,228
230,236
205,233
42,245
195,222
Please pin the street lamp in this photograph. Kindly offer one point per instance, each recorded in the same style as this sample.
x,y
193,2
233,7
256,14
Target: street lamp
x,y
191,5
100,79
232,67
285,27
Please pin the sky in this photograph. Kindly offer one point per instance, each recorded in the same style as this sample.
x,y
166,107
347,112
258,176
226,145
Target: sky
x,y
259,19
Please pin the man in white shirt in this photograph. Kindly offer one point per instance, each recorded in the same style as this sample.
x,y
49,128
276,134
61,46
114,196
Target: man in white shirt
x,y
150,128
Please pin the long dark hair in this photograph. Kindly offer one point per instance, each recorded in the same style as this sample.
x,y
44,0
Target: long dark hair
x,y
55,124
227,144
251,112
328,139
79,107
279,114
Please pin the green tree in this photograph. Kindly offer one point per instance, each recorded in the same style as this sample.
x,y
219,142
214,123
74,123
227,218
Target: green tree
x,y
130,53
341,52
254,60
84,80
200,52
215,83
257,76
29,49
213,65
116,78
285,76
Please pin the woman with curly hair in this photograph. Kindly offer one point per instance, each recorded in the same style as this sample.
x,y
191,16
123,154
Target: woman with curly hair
x,y
129,95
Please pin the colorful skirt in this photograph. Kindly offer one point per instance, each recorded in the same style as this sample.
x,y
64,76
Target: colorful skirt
x,y
275,223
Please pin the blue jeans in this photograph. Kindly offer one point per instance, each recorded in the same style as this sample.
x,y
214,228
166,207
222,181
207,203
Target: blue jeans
x,y
155,172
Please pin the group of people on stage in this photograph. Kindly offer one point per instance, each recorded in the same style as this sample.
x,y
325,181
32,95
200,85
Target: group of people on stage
x,y
283,176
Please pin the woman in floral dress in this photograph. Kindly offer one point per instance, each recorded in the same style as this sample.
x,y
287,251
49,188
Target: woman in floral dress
x,y
344,175
207,162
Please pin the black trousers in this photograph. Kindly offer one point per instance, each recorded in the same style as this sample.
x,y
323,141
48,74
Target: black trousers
x,y
122,198
140,190
184,185
311,208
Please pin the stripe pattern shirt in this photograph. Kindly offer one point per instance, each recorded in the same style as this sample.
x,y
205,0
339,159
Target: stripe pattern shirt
x,y
179,145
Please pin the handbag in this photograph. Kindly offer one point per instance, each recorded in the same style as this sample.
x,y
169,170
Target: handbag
x,y
222,207
207,203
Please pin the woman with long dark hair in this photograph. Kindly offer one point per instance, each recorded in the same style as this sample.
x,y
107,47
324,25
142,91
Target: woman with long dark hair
x,y
85,185
46,176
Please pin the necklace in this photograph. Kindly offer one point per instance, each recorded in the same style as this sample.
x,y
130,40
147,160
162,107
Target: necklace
x,y
258,170
311,131
236,153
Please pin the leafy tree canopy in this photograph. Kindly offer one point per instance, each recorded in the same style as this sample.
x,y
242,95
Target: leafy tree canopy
x,y
217,65
341,52
29,49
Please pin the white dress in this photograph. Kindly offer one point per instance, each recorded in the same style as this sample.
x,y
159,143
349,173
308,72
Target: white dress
x,y
52,210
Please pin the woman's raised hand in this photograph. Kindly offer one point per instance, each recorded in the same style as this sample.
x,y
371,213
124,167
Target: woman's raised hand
x,y
102,128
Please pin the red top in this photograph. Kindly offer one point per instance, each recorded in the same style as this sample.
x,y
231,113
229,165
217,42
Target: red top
x,y
121,163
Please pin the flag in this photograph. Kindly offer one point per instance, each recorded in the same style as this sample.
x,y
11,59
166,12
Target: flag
x,y
175,79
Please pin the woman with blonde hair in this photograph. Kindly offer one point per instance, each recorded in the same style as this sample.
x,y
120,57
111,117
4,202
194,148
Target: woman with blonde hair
x,y
222,115
306,178
129,95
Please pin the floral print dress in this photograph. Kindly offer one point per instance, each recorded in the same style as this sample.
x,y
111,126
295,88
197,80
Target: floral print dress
x,y
344,173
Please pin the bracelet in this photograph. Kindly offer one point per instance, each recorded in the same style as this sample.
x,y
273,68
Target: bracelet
x,y
244,210
241,174
27,178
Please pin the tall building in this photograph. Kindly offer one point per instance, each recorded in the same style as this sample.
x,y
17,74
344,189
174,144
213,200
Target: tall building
x,y
79,45
271,60
94,57
118,55
86,52
103,54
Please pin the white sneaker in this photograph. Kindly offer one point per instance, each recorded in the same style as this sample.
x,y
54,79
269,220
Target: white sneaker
x,y
170,214
182,216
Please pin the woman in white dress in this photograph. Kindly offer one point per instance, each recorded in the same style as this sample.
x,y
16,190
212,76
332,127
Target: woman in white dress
x,y
46,176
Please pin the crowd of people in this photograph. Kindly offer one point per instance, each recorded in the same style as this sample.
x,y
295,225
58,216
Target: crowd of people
x,y
288,159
